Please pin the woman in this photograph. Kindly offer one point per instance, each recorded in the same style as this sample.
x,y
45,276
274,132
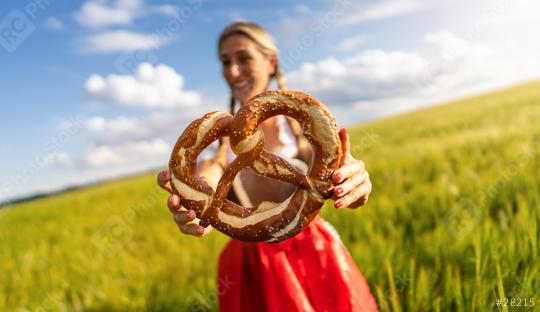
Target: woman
x,y
311,271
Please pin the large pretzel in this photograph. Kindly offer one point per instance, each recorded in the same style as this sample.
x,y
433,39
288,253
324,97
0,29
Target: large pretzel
x,y
272,222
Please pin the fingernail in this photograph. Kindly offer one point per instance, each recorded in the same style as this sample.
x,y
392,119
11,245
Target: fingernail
x,y
338,204
172,200
339,190
204,179
165,175
200,231
337,177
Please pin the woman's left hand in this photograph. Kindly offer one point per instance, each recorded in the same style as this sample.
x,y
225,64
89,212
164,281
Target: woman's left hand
x,y
351,180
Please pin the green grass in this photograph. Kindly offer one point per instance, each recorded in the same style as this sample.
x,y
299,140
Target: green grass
x,y
451,225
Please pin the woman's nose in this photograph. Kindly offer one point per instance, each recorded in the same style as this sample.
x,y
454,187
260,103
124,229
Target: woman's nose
x,y
234,71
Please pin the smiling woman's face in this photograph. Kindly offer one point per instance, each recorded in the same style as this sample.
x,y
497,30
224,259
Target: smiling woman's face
x,y
245,68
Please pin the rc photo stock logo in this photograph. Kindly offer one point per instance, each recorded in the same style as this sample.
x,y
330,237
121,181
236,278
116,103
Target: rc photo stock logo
x,y
17,26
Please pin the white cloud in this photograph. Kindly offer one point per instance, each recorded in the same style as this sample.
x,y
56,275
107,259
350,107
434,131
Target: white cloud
x,y
166,9
133,144
383,9
351,43
369,74
60,160
298,33
123,129
54,23
128,153
378,82
120,41
124,145
97,13
102,156
103,13
115,130
506,26
152,87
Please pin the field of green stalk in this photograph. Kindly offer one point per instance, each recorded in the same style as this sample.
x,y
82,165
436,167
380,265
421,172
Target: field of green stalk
x,y
452,224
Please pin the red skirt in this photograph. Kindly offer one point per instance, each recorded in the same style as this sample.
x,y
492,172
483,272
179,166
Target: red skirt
x,y
309,272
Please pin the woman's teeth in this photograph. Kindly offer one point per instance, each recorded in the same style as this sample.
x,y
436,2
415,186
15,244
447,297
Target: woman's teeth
x,y
241,85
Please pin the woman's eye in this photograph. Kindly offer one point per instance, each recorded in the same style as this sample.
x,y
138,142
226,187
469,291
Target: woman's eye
x,y
243,59
225,62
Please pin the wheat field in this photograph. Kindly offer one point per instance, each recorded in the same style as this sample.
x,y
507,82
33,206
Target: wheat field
x,y
451,224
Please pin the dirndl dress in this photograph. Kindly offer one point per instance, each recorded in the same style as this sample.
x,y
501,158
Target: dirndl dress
x,y
311,271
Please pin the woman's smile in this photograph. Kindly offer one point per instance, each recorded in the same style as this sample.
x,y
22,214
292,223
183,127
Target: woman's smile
x,y
242,85
245,68
242,89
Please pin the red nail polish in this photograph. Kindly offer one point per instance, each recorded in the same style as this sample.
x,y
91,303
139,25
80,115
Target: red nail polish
x,y
338,176
338,204
171,200
339,190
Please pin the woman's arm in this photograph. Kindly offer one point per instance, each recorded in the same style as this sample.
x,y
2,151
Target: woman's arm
x,y
210,171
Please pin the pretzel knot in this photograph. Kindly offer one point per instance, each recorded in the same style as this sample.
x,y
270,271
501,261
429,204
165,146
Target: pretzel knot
x,y
269,221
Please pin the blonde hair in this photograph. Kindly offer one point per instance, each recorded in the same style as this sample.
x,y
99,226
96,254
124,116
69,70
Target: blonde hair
x,y
263,40
267,47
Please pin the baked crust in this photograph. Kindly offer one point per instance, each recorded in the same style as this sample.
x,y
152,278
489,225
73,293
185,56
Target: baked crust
x,y
271,222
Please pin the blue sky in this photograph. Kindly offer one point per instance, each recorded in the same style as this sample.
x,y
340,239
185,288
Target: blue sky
x,y
95,89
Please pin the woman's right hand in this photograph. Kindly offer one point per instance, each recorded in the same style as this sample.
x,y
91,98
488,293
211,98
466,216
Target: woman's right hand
x,y
185,219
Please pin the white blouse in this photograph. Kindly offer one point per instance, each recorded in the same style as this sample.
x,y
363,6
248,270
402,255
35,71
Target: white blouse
x,y
286,137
